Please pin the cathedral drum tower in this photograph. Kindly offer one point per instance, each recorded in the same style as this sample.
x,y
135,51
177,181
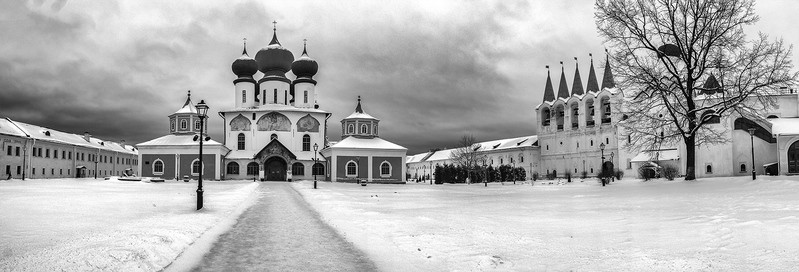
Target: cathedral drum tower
x,y
275,122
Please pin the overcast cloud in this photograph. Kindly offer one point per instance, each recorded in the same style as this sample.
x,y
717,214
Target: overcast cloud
x,y
430,70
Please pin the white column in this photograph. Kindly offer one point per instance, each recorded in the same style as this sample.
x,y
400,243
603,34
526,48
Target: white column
x,y
369,165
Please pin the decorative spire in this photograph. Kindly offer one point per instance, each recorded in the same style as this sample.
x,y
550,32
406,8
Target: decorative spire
x,y
577,85
607,78
563,89
358,108
593,86
245,48
188,98
304,47
274,34
549,93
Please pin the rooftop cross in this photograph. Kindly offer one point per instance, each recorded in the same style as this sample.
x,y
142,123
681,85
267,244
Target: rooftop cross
x,y
274,25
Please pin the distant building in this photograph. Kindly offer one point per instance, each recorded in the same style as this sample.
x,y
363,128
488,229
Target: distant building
x,y
33,151
362,154
176,155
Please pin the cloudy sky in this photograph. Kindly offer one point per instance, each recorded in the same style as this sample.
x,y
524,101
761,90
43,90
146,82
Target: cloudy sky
x,y
430,70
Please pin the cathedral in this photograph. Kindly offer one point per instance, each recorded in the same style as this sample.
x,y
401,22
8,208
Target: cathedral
x,y
274,131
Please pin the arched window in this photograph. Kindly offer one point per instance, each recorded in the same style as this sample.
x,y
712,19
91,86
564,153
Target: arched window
x,y
352,169
252,169
305,98
521,157
364,129
318,169
559,116
793,158
709,169
196,168
273,137
385,169
241,144
158,167
306,142
575,114
350,129
298,169
172,125
545,116
233,168
743,168
605,109
589,110
184,124
501,161
243,96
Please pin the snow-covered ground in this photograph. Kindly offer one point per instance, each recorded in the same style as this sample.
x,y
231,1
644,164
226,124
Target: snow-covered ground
x,y
107,225
715,224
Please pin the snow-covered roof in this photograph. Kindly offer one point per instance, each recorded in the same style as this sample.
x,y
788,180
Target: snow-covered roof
x,y
175,140
657,155
360,115
46,134
367,143
784,126
487,146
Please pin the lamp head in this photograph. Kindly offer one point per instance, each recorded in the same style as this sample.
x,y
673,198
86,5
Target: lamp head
x,y
202,109
602,146
315,147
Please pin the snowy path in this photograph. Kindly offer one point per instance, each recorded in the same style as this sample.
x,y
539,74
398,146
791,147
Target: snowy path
x,y
282,233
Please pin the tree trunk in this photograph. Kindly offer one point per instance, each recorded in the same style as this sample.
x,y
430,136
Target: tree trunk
x,y
690,157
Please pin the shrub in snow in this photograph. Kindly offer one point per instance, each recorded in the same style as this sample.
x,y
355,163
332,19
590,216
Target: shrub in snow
x,y
646,173
584,174
619,174
670,172
535,176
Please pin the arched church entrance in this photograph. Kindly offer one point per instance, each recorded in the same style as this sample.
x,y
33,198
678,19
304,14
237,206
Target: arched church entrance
x,y
276,169
793,158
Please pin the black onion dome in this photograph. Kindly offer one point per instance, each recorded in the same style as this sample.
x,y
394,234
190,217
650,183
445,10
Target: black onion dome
x,y
274,57
244,66
304,66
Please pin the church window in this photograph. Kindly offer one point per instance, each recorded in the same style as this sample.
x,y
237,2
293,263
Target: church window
x,y
253,116
298,169
16,152
9,150
47,153
318,169
592,142
273,137
743,168
184,124
545,116
55,154
285,97
385,169
252,169
274,98
375,129
158,167
605,109
305,97
241,143
364,129
521,158
501,161
352,169
306,142
607,140
243,96
196,168
709,168
350,129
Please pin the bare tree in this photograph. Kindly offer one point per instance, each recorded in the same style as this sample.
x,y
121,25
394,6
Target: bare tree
x,y
468,153
685,63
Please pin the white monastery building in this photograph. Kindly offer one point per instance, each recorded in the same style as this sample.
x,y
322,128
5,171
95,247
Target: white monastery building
x,y
30,151
580,125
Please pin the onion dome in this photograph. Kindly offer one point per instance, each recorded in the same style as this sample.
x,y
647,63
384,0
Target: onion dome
x,y
274,57
304,66
245,66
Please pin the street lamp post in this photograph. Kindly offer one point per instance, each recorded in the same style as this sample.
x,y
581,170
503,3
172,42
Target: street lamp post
x,y
602,165
357,170
315,161
752,143
202,111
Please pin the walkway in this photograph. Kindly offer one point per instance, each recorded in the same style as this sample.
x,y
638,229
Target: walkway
x,y
282,233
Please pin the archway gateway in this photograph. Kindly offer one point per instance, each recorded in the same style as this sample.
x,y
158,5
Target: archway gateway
x,y
275,168
793,158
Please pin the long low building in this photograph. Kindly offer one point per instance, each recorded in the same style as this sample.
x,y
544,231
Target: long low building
x,y
31,151
521,152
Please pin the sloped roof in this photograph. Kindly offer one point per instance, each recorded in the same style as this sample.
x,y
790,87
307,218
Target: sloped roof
x,y
577,85
176,140
367,143
441,155
784,126
487,146
359,114
563,89
41,133
188,106
607,79
593,86
549,93
7,127
417,157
